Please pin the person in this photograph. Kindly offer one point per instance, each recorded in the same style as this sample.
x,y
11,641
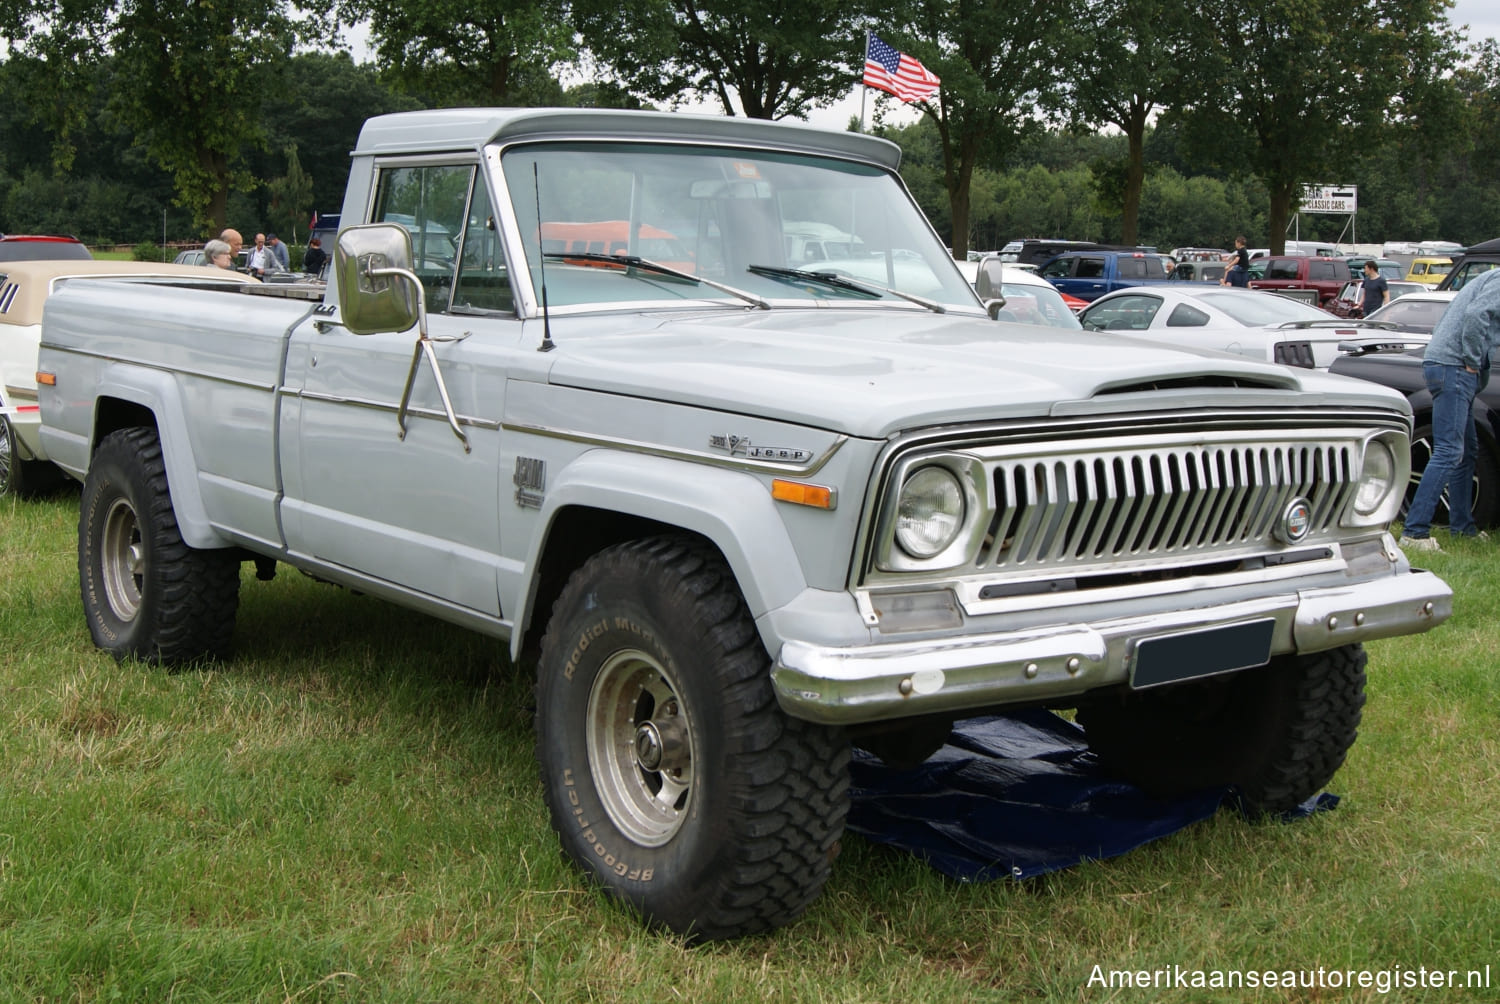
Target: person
x,y
315,257
280,251
235,242
216,253
1456,367
262,259
1374,291
1237,274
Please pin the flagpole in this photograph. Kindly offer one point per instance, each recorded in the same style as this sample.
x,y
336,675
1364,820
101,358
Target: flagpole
x,y
864,94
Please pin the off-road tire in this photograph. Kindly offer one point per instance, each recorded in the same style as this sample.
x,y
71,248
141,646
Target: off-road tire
x,y
147,594
1277,733
733,830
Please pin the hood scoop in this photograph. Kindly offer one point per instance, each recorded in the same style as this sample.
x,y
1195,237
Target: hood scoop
x,y
1204,381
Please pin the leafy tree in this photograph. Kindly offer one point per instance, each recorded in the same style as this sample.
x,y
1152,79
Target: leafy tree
x,y
777,58
998,62
1126,65
189,77
1294,90
457,52
291,198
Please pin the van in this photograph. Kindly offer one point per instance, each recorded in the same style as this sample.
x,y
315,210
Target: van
x,y
1314,249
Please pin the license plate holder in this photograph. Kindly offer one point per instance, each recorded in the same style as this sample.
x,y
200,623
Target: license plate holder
x,y
1187,655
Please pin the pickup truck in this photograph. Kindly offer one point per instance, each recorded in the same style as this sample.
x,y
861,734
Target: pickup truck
x,y
1284,272
1088,275
736,516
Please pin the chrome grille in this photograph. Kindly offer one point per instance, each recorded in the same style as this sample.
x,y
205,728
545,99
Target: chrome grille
x,y
1172,500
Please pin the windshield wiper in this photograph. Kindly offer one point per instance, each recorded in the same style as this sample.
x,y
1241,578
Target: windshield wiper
x,y
838,281
630,261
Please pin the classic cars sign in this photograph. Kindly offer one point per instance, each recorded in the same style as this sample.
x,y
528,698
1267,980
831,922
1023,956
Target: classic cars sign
x,y
1335,199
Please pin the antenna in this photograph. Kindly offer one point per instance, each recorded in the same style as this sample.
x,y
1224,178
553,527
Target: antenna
x,y
541,265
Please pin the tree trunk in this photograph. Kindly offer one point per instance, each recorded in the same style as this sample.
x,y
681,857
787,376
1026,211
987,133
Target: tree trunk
x,y
959,182
1281,213
1135,180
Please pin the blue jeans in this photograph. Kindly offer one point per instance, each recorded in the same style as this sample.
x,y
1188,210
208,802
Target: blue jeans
x,y
1455,445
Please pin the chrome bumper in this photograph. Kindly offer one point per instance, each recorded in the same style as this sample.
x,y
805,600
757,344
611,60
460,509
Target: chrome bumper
x,y
867,683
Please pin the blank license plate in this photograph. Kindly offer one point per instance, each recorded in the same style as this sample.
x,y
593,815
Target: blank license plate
x,y
1174,657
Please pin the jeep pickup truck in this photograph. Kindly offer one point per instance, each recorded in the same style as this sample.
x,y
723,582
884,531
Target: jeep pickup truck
x,y
736,514
1088,275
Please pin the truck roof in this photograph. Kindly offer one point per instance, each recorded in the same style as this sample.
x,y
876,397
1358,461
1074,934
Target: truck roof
x,y
455,129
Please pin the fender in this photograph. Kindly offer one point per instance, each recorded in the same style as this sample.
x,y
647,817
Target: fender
x,y
158,392
731,508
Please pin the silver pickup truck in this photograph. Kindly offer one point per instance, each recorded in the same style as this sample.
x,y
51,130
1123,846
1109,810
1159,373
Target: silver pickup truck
x,y
569,387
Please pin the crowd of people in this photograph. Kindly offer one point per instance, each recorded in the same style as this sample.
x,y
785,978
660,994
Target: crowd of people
x,y
268,256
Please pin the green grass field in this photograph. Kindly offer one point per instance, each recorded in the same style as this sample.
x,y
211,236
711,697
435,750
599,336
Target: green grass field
x,y
349,811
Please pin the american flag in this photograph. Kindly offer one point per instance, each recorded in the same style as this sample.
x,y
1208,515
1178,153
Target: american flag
x,y
896,72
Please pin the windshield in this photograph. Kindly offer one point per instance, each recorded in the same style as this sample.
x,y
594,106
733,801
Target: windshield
x,y
1034,304
1255,309
1412,314
714,213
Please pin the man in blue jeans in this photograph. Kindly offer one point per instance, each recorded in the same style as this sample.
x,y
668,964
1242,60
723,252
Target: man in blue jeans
x,y
1456,367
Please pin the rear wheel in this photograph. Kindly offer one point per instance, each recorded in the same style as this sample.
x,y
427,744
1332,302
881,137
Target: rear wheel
x,y
673,777
23,478
1277,733
146,593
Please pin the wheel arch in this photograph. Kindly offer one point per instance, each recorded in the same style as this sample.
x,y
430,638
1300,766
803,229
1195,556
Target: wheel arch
x,y
149,399
604,498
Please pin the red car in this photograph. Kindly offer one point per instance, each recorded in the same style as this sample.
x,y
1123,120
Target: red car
x,y
42,247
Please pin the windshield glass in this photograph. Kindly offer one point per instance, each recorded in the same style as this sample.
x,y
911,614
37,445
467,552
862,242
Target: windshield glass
x,y
713,213
1254,309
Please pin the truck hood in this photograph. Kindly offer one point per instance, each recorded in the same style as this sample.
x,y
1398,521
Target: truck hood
x,y
874,373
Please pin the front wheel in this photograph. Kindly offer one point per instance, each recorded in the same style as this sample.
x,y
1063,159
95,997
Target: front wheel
x,y
1277,733
673,777
146,593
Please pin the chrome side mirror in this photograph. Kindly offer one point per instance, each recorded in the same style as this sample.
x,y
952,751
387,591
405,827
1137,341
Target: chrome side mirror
x,y
377,290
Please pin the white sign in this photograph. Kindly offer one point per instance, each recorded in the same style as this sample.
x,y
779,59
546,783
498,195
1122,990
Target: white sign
x,y
1334,199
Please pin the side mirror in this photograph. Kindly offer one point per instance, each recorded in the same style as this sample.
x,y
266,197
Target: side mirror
x,y
989,278
377,291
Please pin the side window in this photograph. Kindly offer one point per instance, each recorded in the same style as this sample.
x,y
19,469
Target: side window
x,y
1320,270
1131,268
1090,268
1122,313
429,202
1186,316
483,280
1282,270
1060,269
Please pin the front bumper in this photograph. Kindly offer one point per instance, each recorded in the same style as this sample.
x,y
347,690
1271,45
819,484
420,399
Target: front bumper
x,y
864,683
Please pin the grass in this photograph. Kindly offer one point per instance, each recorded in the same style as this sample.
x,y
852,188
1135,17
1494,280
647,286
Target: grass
x,y
349,811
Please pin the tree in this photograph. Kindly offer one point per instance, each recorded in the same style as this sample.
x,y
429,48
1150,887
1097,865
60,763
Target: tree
x,y
189,78
1294,90
456,52
998,62
779,58
291,197
1127,64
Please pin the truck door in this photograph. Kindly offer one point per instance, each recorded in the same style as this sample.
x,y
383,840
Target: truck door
x,y
416,509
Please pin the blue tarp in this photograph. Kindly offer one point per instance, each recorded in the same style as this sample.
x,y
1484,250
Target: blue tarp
x,y
1015,796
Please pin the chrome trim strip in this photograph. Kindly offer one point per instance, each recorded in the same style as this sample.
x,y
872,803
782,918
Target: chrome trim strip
x,y
696,456
160,368
388,406
847,685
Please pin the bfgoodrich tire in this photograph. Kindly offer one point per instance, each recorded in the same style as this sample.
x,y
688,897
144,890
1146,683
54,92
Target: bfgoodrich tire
x,y
673,777
1277,733
147,594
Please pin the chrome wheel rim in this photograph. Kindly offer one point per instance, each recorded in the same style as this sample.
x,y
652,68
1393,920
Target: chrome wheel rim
x,y
122,558
640,747
7,458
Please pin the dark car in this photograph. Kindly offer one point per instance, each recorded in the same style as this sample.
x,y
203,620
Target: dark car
x,y
1400,367
1472,261
42,247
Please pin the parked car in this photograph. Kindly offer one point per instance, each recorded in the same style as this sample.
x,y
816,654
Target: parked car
x,y
1243,321
1387,267
1200,270
24,288
1479,258
1088,275
1400,368
1198,254
1346,304
40,247
1289,272
1029,299
1428,270
194,256
1415,313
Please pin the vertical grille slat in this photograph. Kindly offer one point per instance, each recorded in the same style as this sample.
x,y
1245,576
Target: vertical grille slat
x,y
1158,501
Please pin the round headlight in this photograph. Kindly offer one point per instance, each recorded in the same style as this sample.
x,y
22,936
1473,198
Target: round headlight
x,y
1377,479
930,512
